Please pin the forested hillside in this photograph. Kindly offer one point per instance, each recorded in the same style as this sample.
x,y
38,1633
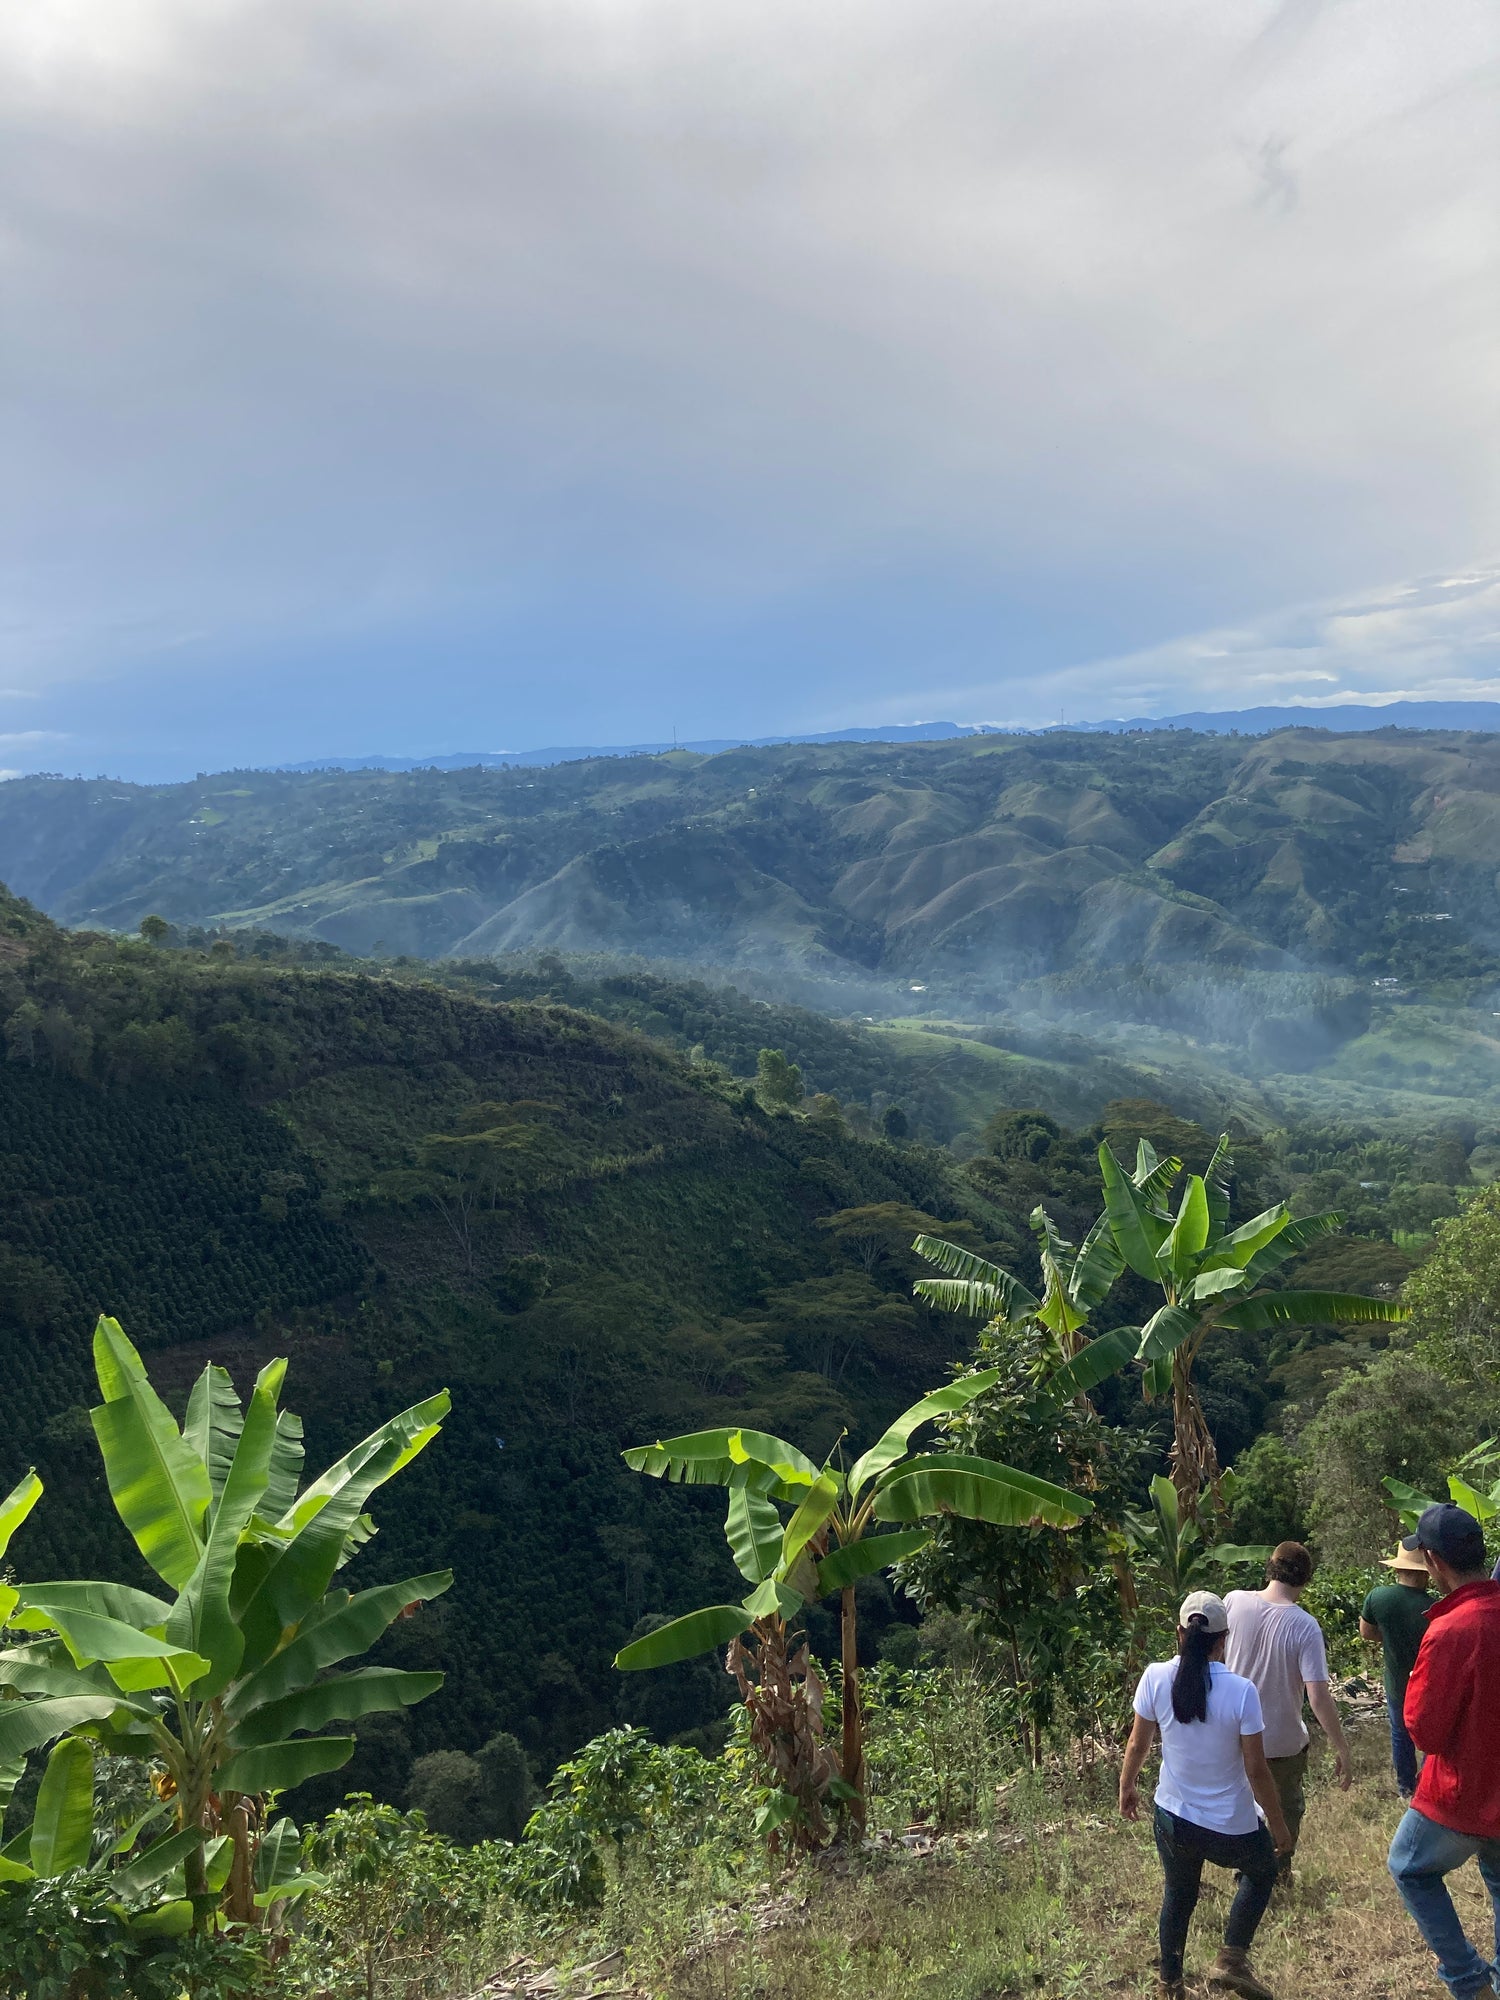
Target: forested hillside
x,y
992,858
589,1238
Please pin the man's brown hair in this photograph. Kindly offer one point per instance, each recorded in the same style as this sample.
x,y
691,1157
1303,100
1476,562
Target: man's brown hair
x,y
1290,1564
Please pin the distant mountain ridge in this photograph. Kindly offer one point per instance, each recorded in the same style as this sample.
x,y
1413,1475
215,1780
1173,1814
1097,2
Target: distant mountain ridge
x,y
1472,715
990,857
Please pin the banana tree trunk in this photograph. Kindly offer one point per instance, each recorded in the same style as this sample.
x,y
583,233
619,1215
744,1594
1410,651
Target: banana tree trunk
x,y
853,1759
1195,1462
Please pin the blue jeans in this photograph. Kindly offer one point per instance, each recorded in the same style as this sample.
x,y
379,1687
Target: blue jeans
x,y
1184,1848
1421,1855
1403,1755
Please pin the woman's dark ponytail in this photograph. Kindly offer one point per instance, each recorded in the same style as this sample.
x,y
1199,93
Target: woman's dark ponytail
x,y
1190,1682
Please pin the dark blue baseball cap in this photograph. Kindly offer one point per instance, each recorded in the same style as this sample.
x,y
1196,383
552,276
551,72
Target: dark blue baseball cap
x,y
1452,1533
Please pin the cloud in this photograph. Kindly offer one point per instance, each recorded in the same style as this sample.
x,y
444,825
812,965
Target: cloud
x,y
473,367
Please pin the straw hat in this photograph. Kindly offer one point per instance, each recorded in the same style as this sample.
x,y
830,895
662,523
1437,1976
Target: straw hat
x,y
1409,1560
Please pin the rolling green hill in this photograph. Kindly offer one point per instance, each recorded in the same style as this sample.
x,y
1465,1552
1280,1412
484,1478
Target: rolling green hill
x,y
987,858
590,1238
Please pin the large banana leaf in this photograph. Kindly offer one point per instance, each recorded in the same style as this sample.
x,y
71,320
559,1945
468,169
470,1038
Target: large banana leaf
x,y
155,1865
1212,1284
706,1458
1096,1266
1234,1251
1217,1184
1095,1363
1153,1176
1237,1552
201,1618
46,1668
774,1599
862,1558
812,1511
1057,1311
278,1580
977,1489
297,1578
1294,1238
352,1628
942,1402
62,1827
27,1725
278,1869
1189,1233
342,1698
752,1528
134,1660
1165,1331
286,1467
1139,1232
16,1505
415,1428
972,1284
1307,1309
158,1483
685,1638
275,1767
1157,1379
213,1423
1407,1501
103,1600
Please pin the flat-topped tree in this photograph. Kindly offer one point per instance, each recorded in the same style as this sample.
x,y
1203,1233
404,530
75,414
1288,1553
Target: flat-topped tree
x,y
224,1684
827,1544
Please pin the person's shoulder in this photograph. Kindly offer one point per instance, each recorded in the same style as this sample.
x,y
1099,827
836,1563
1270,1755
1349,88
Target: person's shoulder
x,y
1149,1686
1235,1600
1239,1687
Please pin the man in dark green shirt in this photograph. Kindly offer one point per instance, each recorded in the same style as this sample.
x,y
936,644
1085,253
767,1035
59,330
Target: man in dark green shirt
x,y
1394,1617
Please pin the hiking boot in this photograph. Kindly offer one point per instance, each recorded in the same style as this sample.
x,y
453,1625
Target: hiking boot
x,y
1232,1974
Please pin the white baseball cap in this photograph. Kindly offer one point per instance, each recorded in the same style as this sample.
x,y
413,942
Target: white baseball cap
x,y
1203,1604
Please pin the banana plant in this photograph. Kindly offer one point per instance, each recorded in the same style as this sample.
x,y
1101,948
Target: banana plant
x,y
828,1541
1173,1548
1074,1282
1482,1502
1210,1276
146,1885
222,1685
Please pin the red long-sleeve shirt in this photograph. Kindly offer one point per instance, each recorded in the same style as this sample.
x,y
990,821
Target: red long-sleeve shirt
x,y
1453,1711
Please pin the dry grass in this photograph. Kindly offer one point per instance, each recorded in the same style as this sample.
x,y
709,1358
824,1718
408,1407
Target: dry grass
x,y
1070,1910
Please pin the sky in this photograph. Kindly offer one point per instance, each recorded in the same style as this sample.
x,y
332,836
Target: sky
x,y
488,374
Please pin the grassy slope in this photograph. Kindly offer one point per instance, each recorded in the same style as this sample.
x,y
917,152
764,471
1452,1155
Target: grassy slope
x,y
1062,1903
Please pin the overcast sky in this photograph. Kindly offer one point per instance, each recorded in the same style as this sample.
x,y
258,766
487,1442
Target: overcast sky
x,y
482,374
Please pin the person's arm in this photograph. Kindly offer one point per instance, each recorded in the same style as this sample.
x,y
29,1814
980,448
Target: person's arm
x,y
1320,1700
1432,1695
1142,1736
1368,1632
1258,1771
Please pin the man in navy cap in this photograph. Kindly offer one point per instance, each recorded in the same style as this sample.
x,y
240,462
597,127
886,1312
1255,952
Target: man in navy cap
x,y
1453,1714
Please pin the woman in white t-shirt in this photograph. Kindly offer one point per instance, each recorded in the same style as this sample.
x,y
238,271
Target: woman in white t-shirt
x,y
1213,1772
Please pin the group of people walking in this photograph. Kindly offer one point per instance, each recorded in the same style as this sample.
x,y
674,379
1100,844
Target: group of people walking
x,y
1227,1712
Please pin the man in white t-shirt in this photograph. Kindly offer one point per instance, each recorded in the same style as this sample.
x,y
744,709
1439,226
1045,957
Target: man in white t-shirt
x,y
1279,1646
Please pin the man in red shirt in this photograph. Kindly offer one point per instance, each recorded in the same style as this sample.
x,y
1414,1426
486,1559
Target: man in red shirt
x,y
1453,1714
